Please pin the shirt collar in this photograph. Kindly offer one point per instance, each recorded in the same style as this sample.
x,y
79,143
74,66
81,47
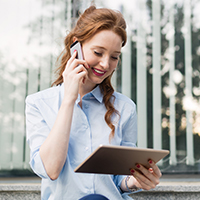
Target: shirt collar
x,y
96,92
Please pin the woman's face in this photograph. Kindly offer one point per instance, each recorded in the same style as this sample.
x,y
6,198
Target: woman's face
x,y
101,52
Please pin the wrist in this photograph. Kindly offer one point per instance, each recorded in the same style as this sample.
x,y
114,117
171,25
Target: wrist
x,y
128,187
68,100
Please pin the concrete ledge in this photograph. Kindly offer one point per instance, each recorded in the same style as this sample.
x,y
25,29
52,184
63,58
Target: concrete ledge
x,y
169,192
20,191
166,196
20,195
29,188
20,188
177,188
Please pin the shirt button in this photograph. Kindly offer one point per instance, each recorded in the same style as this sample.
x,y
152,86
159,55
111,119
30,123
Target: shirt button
x,y
85,127
89,192
86,148
86,106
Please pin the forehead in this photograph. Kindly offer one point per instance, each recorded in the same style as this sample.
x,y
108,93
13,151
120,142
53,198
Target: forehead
x,y
106,39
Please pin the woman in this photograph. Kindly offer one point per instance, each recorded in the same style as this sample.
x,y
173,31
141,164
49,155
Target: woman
x,y
66,123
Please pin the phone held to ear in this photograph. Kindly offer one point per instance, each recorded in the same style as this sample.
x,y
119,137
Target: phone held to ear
x,y
76,46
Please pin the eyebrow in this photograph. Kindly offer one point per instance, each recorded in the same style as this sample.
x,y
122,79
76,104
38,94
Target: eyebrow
x,y
105,49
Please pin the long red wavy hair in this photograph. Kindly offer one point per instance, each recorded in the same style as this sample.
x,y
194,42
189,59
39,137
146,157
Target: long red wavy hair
x,y
89,23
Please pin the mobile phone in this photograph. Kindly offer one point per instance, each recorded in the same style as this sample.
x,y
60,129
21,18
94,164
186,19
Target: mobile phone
x,y
77,46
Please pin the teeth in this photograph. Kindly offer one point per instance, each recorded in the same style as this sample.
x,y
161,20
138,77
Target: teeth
x,y
100,72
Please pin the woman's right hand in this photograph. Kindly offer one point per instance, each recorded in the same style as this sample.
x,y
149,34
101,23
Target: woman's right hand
x,y
75,72
54,150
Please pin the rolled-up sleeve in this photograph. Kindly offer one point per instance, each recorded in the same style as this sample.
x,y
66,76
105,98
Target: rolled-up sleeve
x,y
36,132
118,180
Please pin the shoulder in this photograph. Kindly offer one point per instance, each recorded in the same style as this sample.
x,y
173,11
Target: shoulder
x,y
120,98
46,94
124,102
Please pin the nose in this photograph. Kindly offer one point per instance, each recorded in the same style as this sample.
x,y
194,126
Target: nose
x,y
105,62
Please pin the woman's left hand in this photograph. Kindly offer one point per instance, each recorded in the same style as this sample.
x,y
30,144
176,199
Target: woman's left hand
x,y
145,178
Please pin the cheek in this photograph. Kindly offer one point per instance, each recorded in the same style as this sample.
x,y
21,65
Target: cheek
x,y
114,66
90,59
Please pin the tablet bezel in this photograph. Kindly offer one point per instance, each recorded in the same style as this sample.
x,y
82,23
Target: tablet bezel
x,y
108,159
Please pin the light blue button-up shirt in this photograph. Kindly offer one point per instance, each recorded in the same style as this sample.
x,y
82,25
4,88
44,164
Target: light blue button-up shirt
x,y
88,131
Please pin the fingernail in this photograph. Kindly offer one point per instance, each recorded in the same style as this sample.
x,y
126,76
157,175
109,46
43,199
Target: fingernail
x,y
138,166
150,161
75,50
132,171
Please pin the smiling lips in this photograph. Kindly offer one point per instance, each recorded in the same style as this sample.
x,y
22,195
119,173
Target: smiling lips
x,y
98,72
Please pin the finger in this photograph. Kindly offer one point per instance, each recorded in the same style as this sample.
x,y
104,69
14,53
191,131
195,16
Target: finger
x,y
79,69
81,72
151,170
145,172
144,182
81,76
155,168
82,62
72,58
75,63
149,174
72,73
84,79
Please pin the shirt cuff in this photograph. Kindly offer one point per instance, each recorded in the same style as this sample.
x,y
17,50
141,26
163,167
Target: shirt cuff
x,y
118,181
37,166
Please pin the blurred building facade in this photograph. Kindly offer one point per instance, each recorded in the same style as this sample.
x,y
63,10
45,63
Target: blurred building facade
x,y
159,71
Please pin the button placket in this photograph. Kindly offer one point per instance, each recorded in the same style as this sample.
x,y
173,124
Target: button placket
x,y
86,106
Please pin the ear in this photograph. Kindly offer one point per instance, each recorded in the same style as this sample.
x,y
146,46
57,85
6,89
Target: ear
x,y
75,39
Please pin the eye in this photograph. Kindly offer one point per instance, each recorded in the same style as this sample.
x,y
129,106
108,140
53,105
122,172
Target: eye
x,y
97,53
114,58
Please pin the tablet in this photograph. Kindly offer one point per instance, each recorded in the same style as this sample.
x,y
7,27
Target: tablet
x,y
118,160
